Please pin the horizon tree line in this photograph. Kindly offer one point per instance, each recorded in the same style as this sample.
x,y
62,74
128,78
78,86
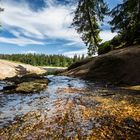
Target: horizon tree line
x,y
42,59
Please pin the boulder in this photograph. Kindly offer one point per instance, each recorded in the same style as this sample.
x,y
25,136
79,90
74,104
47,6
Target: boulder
x,y
119,67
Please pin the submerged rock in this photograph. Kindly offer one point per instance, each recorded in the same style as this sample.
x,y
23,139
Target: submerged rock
x,y
59,114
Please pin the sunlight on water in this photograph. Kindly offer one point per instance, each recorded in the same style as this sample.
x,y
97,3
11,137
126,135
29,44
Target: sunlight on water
x,y
70,108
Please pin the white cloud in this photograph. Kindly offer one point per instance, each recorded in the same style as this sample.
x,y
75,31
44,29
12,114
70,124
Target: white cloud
x,y
71,44
30,52
51,22
78,52
21,41
107,35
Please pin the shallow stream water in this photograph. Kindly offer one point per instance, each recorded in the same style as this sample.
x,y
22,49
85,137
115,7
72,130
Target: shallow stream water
x,y
70,108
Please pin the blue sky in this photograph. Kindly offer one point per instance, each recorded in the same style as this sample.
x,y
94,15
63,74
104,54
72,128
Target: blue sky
x,y
43,26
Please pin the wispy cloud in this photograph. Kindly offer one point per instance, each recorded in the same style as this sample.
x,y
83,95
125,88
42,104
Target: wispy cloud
x,y
107,35
30,52
52,22
78,52
21,41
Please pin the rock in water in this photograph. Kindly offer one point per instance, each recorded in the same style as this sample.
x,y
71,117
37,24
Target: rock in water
x,y
33,86
26,84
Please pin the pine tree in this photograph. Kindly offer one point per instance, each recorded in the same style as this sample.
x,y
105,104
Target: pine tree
x,y
75,58
83,57
126,20
87,16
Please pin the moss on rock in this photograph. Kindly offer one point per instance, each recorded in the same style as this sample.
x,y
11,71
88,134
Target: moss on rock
x,y
27,84
33,86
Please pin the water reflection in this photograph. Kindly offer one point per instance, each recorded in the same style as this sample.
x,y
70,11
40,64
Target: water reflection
x,y
71,108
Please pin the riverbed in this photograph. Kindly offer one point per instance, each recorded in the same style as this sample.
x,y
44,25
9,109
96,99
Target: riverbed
x,y
70,108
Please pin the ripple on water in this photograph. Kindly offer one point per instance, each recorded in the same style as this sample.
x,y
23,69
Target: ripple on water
x,y
70,108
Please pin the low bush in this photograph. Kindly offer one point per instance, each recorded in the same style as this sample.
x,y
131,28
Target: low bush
x,y
104,47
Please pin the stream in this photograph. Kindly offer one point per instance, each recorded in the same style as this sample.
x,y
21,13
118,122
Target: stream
x,y
70,108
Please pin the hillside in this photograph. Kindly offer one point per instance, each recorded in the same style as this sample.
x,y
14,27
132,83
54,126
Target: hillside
x,y
10,69
116,67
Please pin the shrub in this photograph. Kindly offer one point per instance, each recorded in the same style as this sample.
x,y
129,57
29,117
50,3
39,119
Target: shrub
x,y
104,47
107,46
